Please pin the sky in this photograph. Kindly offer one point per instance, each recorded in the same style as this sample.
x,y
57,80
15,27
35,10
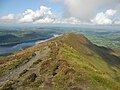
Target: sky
x,y
90,12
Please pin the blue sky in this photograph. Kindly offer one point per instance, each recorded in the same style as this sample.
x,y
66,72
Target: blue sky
x,y
19,6
66,11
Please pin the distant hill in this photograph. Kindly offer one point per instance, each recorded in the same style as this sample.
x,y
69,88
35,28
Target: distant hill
x,y
68,62
13,37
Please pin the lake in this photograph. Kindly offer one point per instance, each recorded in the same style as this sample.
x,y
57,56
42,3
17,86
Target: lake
x,y
12,49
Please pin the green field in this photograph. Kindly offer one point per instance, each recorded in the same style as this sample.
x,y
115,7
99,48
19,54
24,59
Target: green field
x,y
107,39
1,57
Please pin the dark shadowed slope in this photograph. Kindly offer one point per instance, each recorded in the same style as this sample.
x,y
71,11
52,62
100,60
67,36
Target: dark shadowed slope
x,y
72,62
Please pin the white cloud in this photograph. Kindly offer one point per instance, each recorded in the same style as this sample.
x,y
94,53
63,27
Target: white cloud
x,y
43,15
45,20
8,17
104,18
101,18
110,12
27,16
117,22
71,20
85,9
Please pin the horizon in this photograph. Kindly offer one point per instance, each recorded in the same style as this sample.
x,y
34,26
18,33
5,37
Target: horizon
x,y
88,27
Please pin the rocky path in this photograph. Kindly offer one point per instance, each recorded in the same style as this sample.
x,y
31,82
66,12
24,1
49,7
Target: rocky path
x,y
16,72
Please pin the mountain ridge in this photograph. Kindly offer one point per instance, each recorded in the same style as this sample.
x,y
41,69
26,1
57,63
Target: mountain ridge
x,y
71,63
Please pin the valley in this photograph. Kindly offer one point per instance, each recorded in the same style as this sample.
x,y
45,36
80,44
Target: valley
x,y
26,37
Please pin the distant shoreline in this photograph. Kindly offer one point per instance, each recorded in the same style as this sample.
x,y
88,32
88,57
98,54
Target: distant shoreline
x,y
15,43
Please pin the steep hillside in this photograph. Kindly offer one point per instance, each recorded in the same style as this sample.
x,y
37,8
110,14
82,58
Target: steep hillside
x,y
68,62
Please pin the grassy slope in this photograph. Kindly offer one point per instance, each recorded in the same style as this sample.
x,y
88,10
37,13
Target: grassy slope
x,y
73,63
1,57
117,51
94,65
